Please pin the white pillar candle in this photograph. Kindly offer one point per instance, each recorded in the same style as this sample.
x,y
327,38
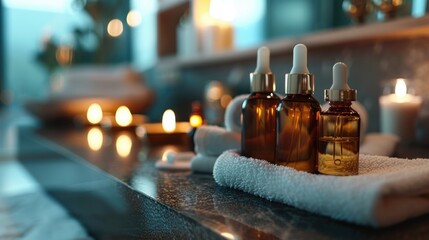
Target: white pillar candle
x,y
399,112
217,36
217,30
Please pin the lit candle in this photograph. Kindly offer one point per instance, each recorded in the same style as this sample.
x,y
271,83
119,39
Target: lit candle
x,y
94,114
399,112
169,121
123,116
166,132
196,117
195,120
218,34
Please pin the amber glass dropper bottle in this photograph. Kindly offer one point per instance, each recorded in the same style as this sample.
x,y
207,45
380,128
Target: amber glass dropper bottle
x,y
258,135
297,117
339,128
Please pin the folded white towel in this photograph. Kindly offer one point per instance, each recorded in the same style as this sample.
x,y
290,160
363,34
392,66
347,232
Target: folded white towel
x,y
233,113
379,144
386,191
203,164
213,140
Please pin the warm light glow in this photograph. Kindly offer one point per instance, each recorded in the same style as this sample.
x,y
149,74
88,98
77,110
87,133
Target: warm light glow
x,y
195,120
222,10
115,28
214,93
95,139
94,113
123,145
141,132
64,55
225,100
228,235
166,154
169,121
123,116
400,88
134,18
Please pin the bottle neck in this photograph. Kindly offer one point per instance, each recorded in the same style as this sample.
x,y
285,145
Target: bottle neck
x,y
299,83
265,82
340,104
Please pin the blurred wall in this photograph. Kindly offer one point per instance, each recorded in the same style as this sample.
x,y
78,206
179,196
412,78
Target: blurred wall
x,y
29,24
24,32
370,65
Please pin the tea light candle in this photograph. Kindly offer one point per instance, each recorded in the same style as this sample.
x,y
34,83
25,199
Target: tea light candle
x,y
122,119
399,112
94,114
217,37
167,132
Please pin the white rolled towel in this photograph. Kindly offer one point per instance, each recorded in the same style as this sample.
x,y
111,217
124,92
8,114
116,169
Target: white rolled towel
x,y
203,164
214,140
233,113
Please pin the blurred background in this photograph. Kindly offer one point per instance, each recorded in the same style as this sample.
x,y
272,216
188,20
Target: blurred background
x,y
154,55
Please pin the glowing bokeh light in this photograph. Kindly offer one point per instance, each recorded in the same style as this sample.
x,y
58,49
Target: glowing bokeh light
x,y
115,28
123,116
134,18
95,139
123,145
169,121
94,114
400,88
195,120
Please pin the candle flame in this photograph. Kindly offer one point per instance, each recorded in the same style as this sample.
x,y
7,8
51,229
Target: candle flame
x,y
95,139
400,88
195,120
123,145
123,116
169,121
94,113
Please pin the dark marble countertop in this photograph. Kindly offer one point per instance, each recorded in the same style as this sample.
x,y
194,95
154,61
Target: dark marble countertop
x,y
123,196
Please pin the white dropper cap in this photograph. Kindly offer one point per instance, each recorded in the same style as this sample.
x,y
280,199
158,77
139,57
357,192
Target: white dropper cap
x,y
262,79
340,77
340,89
299,60
299,80
263,61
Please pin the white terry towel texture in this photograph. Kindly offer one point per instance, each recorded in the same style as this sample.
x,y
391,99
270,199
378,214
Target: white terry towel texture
x,y
386,191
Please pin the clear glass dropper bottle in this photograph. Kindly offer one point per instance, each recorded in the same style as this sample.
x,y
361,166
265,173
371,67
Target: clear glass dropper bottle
x,y
339,128
297,117
259,112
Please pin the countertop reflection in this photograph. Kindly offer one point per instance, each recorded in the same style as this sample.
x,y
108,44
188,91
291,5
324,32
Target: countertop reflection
x,y
108,180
